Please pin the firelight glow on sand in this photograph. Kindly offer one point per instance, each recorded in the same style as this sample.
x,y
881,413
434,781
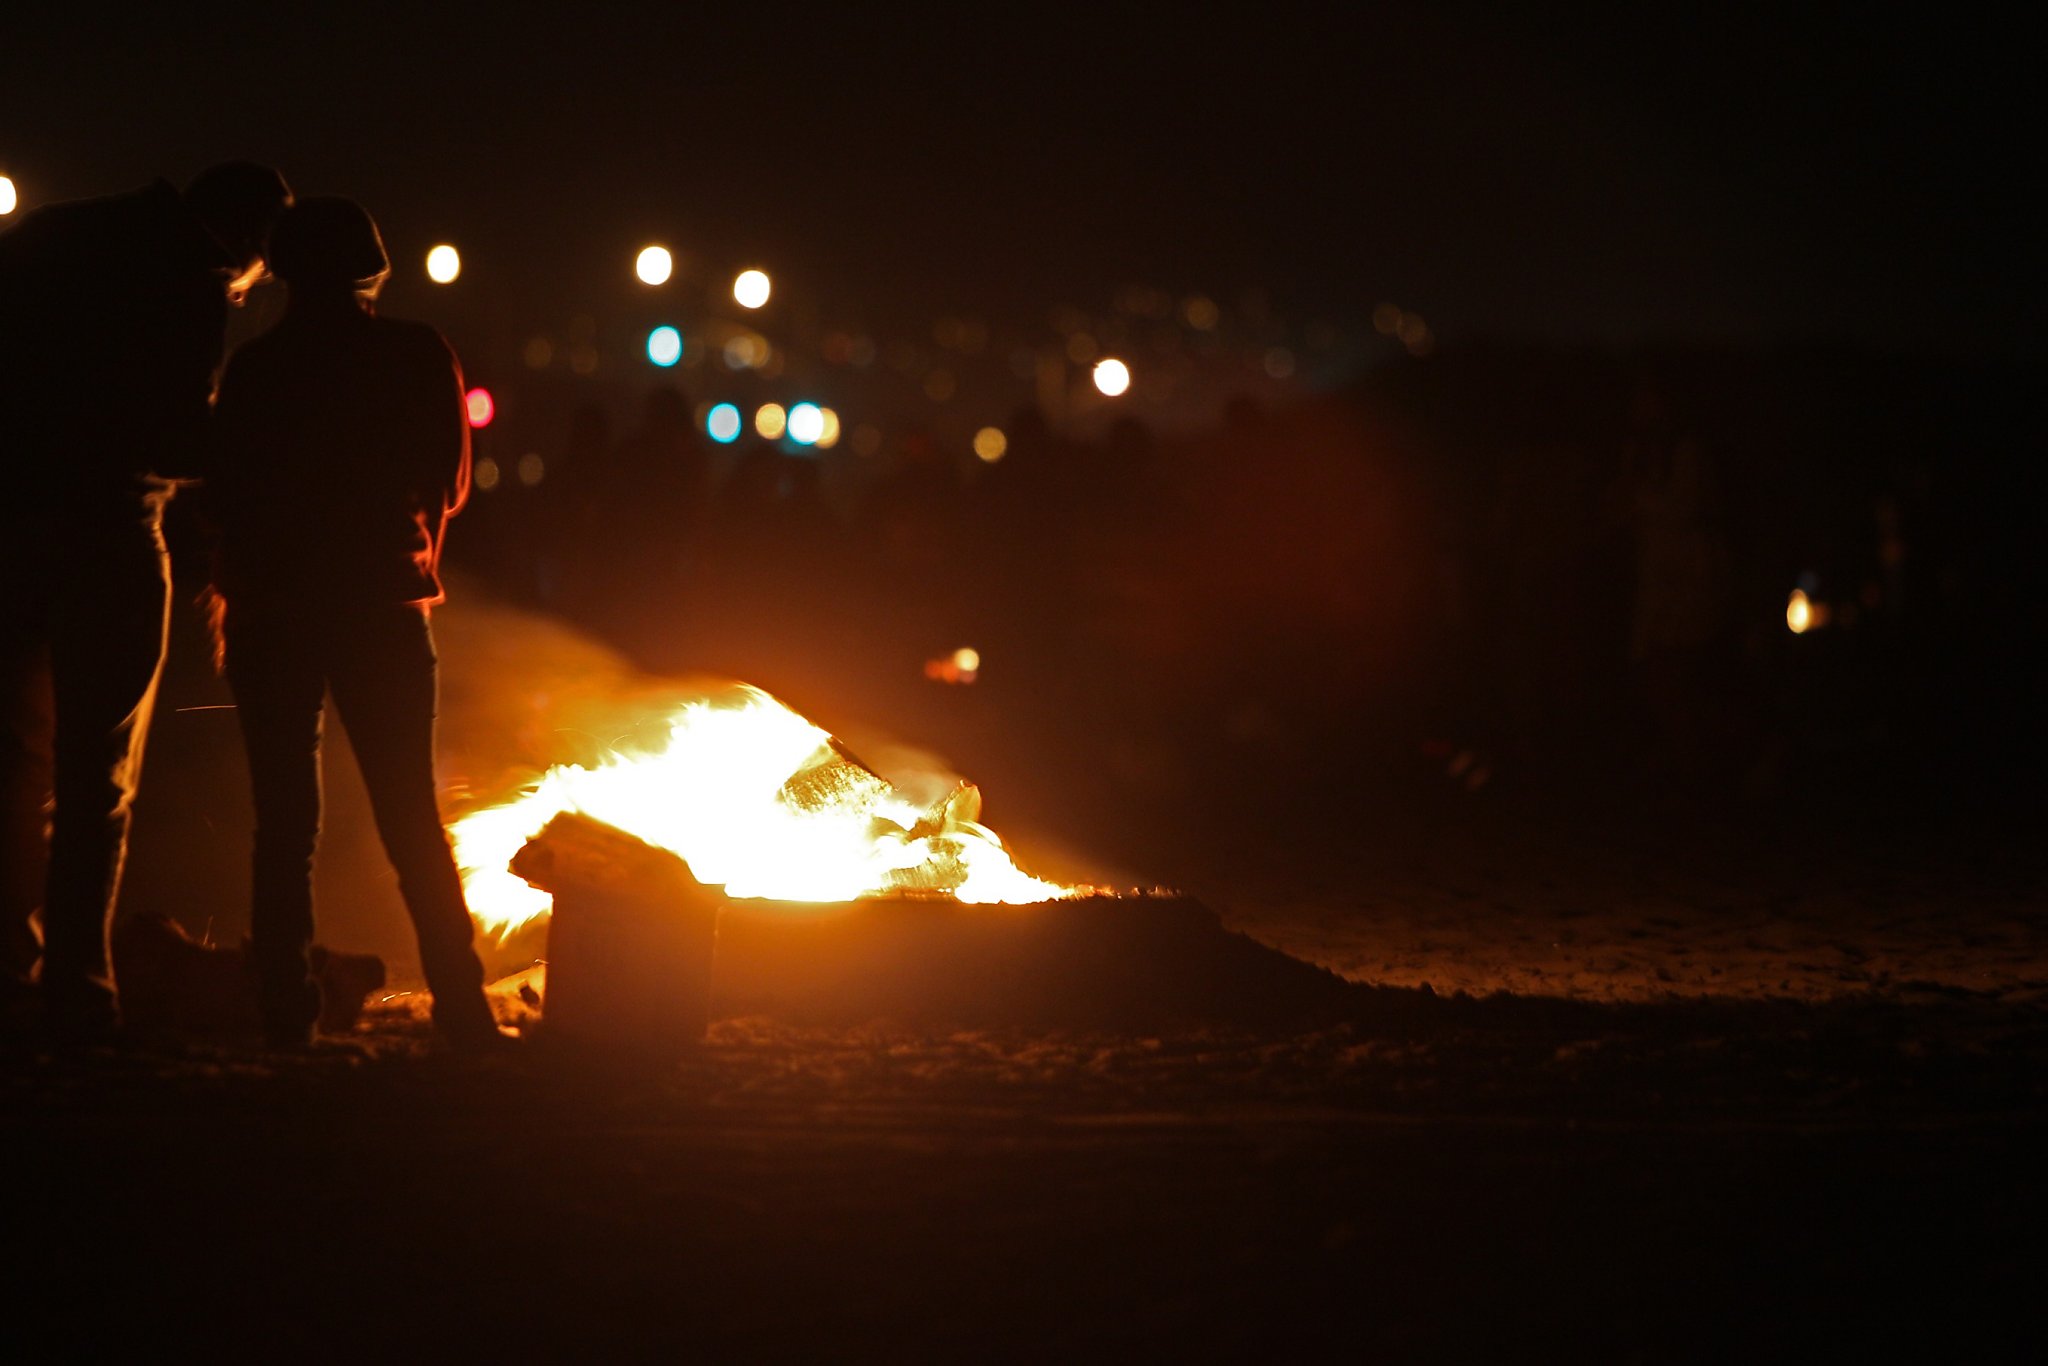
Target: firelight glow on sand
x,y
721,794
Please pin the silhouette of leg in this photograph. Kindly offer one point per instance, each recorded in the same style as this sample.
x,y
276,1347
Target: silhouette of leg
x,y
26,737
382,671
274,669
107,637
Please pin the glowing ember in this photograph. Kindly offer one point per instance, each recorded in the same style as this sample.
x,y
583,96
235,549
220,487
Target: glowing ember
x,y
757,799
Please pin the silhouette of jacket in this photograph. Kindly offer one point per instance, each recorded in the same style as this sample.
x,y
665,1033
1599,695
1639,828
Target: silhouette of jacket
x,y
112,317
343,450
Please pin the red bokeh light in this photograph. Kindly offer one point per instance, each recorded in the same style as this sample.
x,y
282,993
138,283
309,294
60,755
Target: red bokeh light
x,y
481,408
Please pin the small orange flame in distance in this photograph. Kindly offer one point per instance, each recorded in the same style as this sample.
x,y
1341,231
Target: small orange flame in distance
x,y
962,666
760,801
1799,614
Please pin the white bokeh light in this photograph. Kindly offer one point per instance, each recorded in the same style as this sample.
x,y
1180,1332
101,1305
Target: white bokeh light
x,y
654,265
750,288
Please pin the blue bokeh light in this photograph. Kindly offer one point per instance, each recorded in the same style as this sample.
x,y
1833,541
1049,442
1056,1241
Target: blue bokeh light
x,y
664,346
722,424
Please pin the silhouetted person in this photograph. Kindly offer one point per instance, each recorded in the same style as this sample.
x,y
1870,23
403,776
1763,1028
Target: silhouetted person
x,y
343,451
112,316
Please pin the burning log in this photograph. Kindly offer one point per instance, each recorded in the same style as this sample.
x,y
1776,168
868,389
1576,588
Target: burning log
x,y
631,940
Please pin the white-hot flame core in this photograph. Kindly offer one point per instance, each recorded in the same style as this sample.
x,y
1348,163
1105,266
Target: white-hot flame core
x,y
715,795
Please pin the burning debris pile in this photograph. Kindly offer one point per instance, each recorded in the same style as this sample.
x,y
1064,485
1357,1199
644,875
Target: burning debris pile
x,y
830,896
759,801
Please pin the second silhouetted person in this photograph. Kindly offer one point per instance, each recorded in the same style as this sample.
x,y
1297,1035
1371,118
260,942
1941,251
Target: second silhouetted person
x,y
344,449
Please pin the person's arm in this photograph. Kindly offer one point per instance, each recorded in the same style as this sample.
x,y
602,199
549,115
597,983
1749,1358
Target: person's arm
x,y
441,474
456,492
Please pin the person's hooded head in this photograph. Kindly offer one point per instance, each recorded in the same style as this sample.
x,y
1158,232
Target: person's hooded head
x,y
328,245
238,202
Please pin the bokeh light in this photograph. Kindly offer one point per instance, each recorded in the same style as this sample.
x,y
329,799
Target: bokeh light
x,y
1799,615
1112,376
444,263
722,424
539,353
747,351
959,667
806,423
664,346
481,408
486,474
531,468
828,432
8,197
750,288
654,265
770,421
990,444
1200,312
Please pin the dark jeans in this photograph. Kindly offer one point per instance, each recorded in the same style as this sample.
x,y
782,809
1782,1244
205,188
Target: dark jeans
x,y
81,648
378,662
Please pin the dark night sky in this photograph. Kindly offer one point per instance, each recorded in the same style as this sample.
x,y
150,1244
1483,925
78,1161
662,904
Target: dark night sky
x,y
1622,175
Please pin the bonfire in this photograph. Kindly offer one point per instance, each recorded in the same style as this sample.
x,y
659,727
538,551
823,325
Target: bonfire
x,y
761,802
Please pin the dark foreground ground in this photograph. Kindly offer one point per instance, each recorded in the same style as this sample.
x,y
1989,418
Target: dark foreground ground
x,y
1761,1086
1441,1178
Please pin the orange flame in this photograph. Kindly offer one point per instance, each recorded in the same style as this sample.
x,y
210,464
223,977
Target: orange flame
x,y
757,799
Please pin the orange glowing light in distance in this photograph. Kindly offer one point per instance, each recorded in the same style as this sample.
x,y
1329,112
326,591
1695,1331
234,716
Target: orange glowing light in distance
x,y
962,666
770,421
1112,376
481,408
444,263
8,197
990,444
1802,614
757,800
750,288
828,432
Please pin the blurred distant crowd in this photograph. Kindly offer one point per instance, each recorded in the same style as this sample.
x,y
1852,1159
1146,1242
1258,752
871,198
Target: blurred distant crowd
x,y
1508,568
